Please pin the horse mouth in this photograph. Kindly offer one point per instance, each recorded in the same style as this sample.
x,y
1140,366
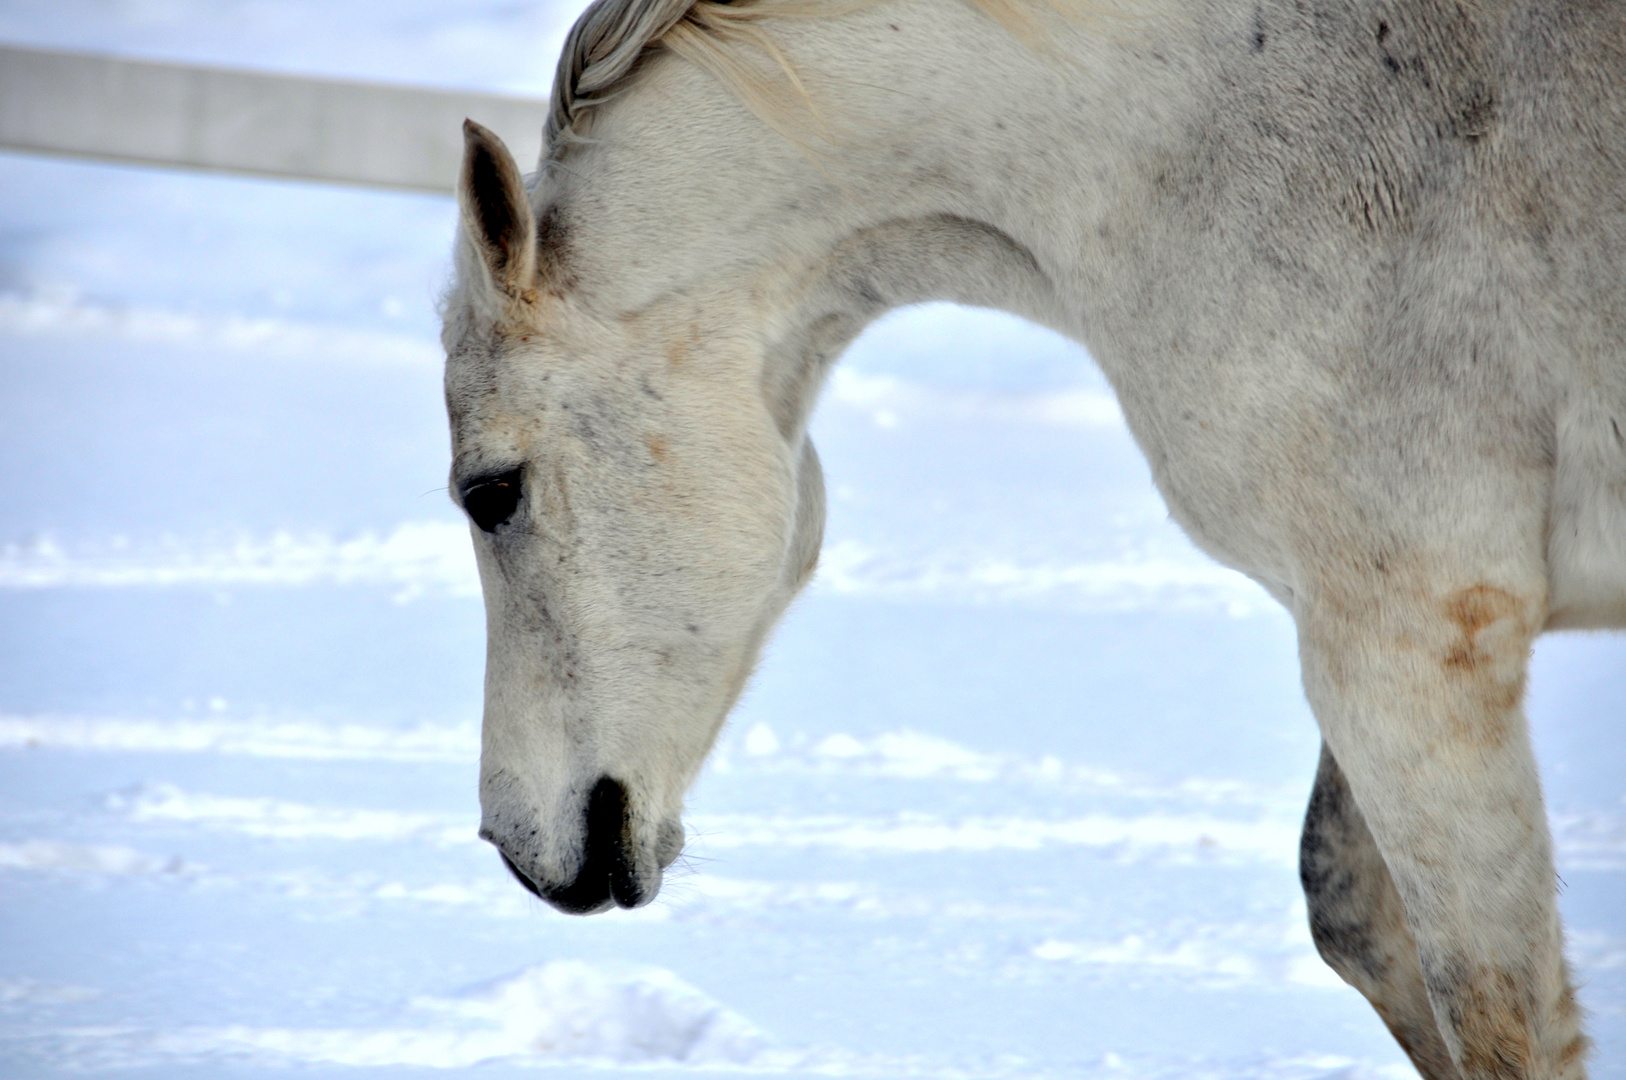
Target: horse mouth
x,y
608,875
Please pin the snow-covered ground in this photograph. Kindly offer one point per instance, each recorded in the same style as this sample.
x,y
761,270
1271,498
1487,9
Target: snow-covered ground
x,y
1014,794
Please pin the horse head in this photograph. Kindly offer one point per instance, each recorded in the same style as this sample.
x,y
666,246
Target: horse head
x,y
640,517
635,341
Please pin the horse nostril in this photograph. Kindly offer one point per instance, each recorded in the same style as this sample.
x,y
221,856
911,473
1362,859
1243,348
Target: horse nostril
x,y
608,870
608,842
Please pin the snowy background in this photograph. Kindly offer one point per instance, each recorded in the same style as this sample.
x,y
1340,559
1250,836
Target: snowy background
x,y
1014,794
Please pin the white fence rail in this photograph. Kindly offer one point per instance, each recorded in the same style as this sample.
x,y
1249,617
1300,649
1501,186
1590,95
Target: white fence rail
x,y
224,120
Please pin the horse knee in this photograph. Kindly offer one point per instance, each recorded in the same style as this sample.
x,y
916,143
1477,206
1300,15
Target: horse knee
x,y
1418,692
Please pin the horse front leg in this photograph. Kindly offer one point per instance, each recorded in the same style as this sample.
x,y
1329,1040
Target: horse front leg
x,y
1418,693
1359,923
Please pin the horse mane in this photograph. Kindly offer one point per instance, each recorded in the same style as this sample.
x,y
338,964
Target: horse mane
x,y
613,38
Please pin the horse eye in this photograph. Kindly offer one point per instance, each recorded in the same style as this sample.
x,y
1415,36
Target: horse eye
x,y
492,501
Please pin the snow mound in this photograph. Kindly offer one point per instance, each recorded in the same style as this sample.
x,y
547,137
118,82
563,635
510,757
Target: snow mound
x,y
416,558
307,740
283,820
1177,579
1595,840
84,859
564,1011
914,755
626,1014
890,399
1165,839
31,991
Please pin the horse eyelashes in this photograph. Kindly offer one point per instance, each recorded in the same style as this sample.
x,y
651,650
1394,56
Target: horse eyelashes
x,y
491,502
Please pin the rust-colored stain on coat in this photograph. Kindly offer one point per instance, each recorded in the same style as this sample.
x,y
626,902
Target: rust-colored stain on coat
x,y
1495,694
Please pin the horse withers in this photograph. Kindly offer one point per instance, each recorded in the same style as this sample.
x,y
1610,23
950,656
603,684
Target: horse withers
x,y
1356,270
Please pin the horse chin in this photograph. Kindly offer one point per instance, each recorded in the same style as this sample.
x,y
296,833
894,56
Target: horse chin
x,y
614,870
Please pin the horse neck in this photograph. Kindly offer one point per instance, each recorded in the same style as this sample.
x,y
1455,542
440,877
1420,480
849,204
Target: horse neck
x,y
956,161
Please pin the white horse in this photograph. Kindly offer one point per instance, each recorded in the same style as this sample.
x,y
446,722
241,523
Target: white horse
x,y
1356,269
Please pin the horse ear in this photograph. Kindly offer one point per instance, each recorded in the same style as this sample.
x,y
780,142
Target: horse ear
x,y
496,211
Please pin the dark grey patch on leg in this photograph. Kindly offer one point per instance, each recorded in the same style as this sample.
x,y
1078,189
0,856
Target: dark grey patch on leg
x,y
1359,922
1339,913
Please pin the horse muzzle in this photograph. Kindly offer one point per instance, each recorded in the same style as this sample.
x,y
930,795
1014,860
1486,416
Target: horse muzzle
x,y
613,867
